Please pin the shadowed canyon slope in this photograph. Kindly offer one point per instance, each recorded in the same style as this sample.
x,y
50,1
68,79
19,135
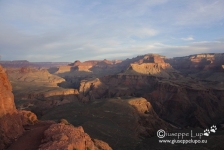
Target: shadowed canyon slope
x,y
121,122
21,130
201,66
125,102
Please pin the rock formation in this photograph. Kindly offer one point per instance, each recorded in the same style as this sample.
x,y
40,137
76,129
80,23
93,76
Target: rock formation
x,y
12,124
210,61
68,137
39,88
150,64
207,67
124,101
122,122
177,101
10,121
6,97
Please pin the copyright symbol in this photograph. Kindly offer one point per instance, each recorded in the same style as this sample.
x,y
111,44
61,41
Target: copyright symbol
x,y
161,133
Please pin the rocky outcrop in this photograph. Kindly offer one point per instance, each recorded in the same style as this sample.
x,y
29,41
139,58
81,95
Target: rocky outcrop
x,y
7,105
121,122
61,136
11,128
60,69
149,121
155,69
68,137
28,117
10,121
149,64
85,66
100,145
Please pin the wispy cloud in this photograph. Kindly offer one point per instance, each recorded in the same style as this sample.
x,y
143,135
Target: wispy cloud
x,y
201,12
190,38
69,30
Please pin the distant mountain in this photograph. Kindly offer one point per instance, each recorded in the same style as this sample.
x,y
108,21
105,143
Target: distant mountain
x,y
25,63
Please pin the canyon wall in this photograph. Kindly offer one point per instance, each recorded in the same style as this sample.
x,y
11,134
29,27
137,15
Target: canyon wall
x,y
10,121
207,61
57,136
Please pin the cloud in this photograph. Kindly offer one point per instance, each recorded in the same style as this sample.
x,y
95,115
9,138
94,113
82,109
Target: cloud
x,y
192,48
190,38
201,12
47,30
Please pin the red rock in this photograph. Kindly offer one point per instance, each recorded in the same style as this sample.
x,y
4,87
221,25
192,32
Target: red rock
x,y
66,137
57,136
212,61
10,121
6,96
11,128
27,117
100,145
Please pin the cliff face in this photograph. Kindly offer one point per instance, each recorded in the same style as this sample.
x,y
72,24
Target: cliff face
x,y
10,121
199,62
201,66
33,84
183,102
85,66
6,97
155,69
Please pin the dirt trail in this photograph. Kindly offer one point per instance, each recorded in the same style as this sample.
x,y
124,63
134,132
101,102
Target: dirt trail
x,y
31,139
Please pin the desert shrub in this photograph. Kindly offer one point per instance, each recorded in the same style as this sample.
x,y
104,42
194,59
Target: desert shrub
x,y
88,148
64,121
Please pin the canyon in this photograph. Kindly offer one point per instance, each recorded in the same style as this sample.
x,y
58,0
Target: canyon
x,y
121,102
20,129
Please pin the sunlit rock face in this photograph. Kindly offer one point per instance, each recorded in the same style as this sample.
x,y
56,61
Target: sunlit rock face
x,y
149,64
6,97
10,121
57,136
61,136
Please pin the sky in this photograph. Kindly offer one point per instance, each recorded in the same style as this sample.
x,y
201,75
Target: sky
x,y
69,30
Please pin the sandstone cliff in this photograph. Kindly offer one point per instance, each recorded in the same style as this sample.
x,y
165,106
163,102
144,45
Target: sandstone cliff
x,y
6,97
149,64
10,122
